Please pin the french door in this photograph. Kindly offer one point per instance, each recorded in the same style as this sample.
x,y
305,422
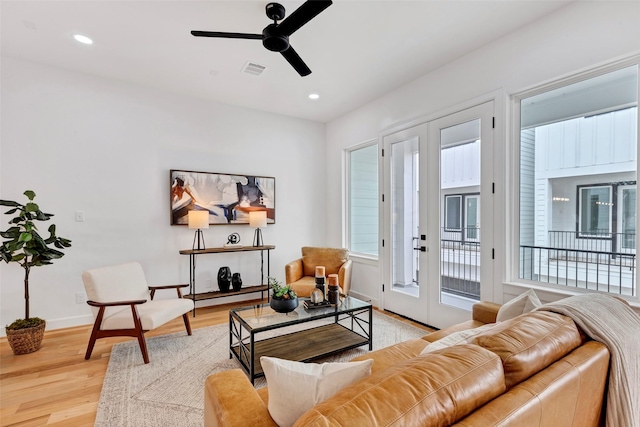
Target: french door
x,y
437,186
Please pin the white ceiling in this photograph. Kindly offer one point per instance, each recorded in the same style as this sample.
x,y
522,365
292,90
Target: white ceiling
x,y
357,50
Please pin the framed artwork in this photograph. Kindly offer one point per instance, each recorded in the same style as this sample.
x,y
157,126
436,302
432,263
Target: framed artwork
x,y
228,198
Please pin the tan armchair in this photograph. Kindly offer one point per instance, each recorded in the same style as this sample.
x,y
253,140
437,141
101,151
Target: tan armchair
x,y
300,274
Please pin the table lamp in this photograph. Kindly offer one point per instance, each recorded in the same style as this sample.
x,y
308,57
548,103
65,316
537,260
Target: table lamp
x,y
198,220
257,220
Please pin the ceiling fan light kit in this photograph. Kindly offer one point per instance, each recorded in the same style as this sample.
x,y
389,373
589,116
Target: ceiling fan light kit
x,y
275,37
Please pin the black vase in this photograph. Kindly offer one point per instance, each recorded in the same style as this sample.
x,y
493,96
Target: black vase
x,y
224,279
236,282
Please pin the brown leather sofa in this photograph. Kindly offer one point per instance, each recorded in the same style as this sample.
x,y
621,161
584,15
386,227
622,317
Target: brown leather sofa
x,y
300,274
537,369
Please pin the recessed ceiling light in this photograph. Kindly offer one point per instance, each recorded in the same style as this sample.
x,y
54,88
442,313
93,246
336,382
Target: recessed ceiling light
x,y
82,39
314,96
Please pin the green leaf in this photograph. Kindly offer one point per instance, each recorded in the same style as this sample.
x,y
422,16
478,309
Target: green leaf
x,y
9,203
18,257
14,246
25,237
52,229
11,233
11,211
30,194
32,207
30,252
42,216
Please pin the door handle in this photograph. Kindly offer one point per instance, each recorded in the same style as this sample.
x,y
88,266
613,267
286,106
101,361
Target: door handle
x,y
421,249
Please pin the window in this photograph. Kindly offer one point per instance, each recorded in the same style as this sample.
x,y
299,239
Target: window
x,y
362,199
627,202
472,217
577,183
453,213
459,208
594,206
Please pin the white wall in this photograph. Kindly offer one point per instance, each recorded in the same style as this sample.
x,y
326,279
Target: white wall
x,y
105,148
576,37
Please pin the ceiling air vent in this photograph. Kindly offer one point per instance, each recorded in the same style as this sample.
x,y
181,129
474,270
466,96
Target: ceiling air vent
x,y
253,68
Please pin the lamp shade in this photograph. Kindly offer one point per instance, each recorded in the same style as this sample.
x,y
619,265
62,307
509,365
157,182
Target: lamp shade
x,y
258,219
198,219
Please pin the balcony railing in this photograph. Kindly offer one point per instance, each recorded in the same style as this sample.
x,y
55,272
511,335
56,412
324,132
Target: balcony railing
x,y
586,262
460,262
594,270
602,241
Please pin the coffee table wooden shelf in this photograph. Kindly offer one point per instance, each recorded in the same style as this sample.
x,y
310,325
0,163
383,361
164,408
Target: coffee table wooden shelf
x,y
304,346
347,326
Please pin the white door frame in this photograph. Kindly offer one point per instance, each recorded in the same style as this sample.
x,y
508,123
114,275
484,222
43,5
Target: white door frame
x,y
434,312
441,313
398,301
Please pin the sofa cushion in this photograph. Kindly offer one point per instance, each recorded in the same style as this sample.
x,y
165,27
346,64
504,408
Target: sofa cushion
x,y
530,342
436,389
523,303
295,387
152,314
435,336
394,354
331,258
569,392
460,337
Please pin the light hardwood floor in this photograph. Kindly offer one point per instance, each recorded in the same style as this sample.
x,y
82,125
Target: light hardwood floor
x,y
55,386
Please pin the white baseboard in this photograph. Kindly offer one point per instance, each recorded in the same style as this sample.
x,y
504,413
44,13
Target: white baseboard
x,y
374,301
68,322
64,322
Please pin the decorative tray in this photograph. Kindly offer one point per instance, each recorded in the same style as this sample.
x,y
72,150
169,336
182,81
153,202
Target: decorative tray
x,y
310,305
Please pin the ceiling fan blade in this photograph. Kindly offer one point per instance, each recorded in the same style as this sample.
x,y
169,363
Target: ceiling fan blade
x,y
305,13
226,35
296,62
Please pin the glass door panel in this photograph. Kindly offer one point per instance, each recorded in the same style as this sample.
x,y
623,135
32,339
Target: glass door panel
x,y
460,199
405,160
404,268
460,215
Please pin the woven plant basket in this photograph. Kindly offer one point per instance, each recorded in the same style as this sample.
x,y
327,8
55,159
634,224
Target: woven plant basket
x,y
27,340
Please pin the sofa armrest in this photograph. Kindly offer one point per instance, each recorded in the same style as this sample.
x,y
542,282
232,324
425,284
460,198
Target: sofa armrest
x,y
293,271
485,311
230,400
344,276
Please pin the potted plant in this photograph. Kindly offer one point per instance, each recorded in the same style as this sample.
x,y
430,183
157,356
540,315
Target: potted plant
x,y
25,246
283,298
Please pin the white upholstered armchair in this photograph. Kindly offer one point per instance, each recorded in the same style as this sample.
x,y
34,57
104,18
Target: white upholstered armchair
x,y
123,304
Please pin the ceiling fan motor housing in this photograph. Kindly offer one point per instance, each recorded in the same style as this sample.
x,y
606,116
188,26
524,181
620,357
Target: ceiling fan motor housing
x,y
273,40
275,11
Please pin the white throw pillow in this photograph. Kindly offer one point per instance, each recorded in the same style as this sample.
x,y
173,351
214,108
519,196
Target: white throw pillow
x,y
460,337
296,387
521,304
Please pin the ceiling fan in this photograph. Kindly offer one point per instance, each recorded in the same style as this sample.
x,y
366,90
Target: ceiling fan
x,y
275,37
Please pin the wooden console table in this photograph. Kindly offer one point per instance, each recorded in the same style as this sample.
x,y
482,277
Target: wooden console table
x,y
262,287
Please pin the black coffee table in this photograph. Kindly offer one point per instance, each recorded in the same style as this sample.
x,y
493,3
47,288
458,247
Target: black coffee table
x,y
302,335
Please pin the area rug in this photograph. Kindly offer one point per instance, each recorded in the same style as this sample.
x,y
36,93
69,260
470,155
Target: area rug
x,y
169,391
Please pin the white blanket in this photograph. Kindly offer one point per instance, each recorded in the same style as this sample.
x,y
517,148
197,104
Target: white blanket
x,y
614,323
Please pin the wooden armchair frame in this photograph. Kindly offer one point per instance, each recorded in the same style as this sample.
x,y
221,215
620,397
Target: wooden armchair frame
x,y
136,331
